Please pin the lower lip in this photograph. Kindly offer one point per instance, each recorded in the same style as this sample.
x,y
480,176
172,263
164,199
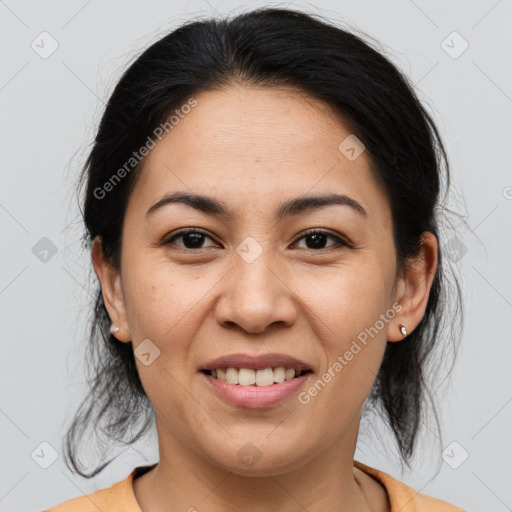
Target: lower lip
x,y
254,397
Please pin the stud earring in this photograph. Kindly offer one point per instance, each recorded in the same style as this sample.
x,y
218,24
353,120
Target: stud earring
x,y
403,330
114,329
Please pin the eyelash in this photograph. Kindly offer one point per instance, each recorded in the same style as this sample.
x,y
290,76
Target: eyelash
x,y
339,240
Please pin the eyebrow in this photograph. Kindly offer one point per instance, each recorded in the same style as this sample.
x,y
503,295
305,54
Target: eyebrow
x,y
296,206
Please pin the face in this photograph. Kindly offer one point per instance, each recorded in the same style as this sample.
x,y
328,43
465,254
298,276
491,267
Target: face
x,y
245,280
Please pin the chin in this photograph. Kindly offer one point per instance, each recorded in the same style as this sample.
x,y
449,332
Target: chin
x,y
261,459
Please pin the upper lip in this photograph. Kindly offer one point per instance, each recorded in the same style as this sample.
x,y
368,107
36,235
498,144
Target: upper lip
x,y
259,362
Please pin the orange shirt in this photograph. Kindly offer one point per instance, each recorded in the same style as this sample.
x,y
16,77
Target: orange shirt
x,y
121,498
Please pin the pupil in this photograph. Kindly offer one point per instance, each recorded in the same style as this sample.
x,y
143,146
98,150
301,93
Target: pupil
x,y
196,239
318,240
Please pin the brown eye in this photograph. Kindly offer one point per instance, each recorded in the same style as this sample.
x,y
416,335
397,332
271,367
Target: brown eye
x,y
192,239
316,240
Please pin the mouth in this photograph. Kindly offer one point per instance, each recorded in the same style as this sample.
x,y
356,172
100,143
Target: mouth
x,y
262,377
254,381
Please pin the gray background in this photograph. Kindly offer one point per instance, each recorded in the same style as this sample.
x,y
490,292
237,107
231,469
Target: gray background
x,y
50,108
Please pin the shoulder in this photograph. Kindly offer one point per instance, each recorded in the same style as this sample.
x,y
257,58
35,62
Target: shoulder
x,y
404,498
117,498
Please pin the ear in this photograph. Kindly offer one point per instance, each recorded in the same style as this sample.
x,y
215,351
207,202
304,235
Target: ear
x,y
413,288
111,289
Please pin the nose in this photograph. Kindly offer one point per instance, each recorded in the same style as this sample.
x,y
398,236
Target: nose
x,y
254,297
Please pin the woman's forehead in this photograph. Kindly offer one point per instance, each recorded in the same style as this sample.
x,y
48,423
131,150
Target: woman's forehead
x,y
221,150
254,121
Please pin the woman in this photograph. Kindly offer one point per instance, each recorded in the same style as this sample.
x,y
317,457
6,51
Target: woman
x,y
261,204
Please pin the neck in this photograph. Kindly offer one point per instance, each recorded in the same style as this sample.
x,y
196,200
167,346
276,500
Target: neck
x,y
184,480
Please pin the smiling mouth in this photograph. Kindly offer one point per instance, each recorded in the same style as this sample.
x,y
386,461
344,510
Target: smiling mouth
x,y
251,377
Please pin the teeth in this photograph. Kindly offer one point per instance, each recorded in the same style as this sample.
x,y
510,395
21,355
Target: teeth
x,y
265,377
246,376
250,377
232,376
289,374
279,374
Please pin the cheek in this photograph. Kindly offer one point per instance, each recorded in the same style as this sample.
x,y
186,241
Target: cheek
x,y
350,311
160,308
347,298
161,298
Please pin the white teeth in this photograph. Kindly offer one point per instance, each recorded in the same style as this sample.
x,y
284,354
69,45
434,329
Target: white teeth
x,y
250,377
232,376
264,377
279,374
290,374
246,376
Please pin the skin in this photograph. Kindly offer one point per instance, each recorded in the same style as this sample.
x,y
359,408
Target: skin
x,y
254,148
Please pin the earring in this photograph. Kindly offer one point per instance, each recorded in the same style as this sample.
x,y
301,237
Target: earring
x,y
403,330
114,329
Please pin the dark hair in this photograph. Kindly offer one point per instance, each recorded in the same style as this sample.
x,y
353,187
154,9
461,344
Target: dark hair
x,y
267,47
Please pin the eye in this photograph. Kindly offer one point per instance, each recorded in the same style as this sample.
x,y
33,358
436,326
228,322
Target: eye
x,y
192,238
317,239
